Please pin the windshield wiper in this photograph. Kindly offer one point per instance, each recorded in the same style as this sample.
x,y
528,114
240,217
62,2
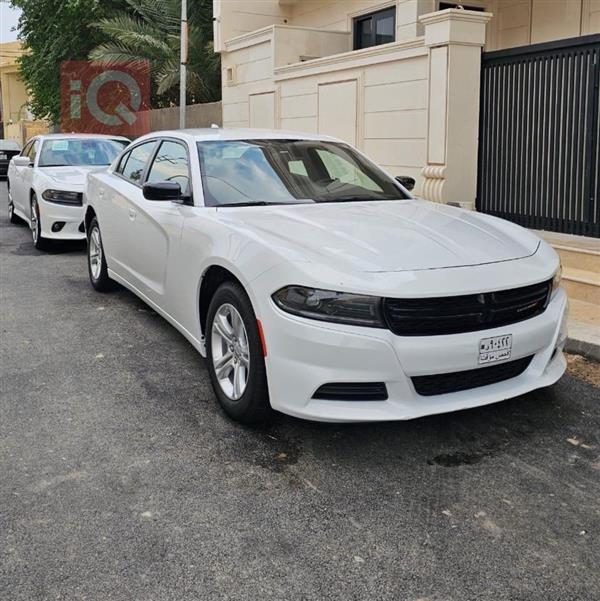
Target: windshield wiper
x,y
262,203
68,165
355,199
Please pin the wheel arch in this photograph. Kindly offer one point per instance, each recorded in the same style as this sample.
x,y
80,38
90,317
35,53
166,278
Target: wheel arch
x,y
89,215
212,278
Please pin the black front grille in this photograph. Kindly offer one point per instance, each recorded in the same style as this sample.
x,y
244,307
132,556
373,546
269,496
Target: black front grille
x,y
471,378
467,313
355,391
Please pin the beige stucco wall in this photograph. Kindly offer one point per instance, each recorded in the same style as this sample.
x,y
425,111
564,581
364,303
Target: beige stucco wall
x,y
19,124
233,18
338,14
332,15
515,22
391,93
523,22
253,75
391,101
14,94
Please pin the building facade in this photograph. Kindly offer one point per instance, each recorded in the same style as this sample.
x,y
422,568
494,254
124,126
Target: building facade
x,y
405,81
16,121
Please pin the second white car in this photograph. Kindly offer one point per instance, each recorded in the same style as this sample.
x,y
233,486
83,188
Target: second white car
x,y
45,182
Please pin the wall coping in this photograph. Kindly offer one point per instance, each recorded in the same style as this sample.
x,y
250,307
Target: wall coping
x,y
265,34
455,26
352,59
455,14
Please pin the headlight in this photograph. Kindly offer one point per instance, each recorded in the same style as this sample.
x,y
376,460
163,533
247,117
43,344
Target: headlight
x,y
327,305
62,197
556,280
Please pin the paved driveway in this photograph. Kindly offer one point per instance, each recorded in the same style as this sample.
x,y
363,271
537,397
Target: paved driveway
x,y
120,479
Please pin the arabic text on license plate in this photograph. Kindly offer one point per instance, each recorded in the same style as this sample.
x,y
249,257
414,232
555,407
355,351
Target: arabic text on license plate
x,y
494,349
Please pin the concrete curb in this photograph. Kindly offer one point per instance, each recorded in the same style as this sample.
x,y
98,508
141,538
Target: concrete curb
x,y
585,348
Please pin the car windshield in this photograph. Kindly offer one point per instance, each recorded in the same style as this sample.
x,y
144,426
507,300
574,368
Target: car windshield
x,y
64,152
259,172
9,145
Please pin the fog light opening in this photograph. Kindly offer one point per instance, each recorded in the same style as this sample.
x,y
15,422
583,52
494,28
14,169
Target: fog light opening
x,y
57,226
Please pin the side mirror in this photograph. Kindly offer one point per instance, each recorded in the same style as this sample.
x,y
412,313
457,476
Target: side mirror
x,y
406,181
163,191
22,161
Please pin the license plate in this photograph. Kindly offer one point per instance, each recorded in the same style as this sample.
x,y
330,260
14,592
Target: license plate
x,y
497,348
2,156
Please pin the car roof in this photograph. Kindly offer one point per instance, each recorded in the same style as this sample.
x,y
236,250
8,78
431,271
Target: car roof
x,y
242,133
80,136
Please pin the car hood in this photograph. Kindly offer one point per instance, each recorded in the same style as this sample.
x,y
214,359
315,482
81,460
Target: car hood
x,y
70,176
384,236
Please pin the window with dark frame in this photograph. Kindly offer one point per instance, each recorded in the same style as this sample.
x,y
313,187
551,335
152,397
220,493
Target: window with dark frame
x,y
375,28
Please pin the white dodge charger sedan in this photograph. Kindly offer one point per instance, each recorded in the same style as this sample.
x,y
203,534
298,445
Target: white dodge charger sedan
x,y
45,182
316,285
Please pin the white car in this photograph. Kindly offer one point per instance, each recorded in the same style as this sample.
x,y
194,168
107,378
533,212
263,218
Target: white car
x,y
45,182
316,285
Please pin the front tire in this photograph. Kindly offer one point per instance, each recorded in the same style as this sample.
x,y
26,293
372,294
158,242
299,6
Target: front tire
x,y
235,355
97,268
12,217
39,241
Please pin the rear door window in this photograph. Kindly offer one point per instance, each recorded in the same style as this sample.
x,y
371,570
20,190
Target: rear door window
x,y
136,163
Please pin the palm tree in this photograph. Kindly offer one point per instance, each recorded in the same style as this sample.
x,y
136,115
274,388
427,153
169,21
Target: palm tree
x,y
150,29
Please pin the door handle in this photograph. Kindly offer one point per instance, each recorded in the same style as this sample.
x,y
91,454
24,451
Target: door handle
x,y
132,214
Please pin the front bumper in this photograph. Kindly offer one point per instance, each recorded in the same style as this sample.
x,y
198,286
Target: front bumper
x,y
71,216
304,354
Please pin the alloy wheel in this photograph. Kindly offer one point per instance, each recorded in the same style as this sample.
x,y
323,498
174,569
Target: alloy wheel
x,y
95,253
230,351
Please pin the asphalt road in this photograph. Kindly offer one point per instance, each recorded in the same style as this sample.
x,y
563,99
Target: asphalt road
x,y
120,479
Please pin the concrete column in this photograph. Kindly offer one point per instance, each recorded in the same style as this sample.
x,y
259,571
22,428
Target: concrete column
x,y
407,17
455,39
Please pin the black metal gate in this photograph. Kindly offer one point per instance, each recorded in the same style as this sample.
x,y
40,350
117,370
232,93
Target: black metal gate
x,y
539,144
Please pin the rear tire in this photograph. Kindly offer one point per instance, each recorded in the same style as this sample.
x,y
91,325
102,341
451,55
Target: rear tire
x,y
97,268
12,217
235,355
